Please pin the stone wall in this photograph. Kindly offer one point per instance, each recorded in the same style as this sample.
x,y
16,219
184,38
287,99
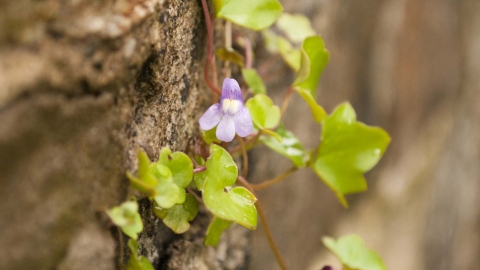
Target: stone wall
x,y
83,85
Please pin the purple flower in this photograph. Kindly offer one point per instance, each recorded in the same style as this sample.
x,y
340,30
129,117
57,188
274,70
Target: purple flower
x,y
230,114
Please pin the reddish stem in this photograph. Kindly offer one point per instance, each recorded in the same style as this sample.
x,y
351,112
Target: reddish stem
x,y
208,62
274,180
248,52
286,100
201,169
250,141
228,45
244,155
187,148
265,226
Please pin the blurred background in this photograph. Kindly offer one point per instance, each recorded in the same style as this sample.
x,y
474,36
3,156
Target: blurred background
x,y
413,68
85,83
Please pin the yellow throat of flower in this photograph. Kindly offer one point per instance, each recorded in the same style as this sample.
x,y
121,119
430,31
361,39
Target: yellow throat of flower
x,y
231,106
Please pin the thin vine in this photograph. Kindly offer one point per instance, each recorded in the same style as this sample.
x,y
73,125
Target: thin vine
x,y
206,173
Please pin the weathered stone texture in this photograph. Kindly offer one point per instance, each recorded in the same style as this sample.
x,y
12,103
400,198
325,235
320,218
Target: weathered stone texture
x,y
83,85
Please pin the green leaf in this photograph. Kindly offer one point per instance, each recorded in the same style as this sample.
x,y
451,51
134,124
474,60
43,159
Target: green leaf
x,y
313,61
289,146
349,149
178,216
351,251
210,136
265,114
273,134
179,164
144,264
296,27
200,161
316,57
141,185
200,179
215,230
290,55
143,182
156,179
137,262
140,263
304,69
233,204
126,216
253,14
317,111
133,247
229,54
217,5
167,193
143,163
254,81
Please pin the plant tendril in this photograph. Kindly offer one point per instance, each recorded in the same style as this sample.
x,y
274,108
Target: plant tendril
x,y
244,155
275,180
286,100
200,169
208,61
266,227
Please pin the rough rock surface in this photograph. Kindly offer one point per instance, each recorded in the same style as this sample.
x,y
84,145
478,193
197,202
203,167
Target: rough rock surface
x,y
83,85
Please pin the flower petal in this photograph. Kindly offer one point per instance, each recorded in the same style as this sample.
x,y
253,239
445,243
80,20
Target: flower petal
x,y
243,122
231,90
226,129
211,117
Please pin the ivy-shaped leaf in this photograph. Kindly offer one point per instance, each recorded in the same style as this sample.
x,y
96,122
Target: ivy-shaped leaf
x,y
296,27
179,164
178,216
252,14
314,58
137,262
229,54
304,69
157,180
290,55
215,230
217,5
143,182
143,163
234,204
265,114
353,254
126,216
349,149
317,111
167,193
318,57
289,146
254,81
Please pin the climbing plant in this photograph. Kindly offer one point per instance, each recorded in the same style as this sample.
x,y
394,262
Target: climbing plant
x,y
239,120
